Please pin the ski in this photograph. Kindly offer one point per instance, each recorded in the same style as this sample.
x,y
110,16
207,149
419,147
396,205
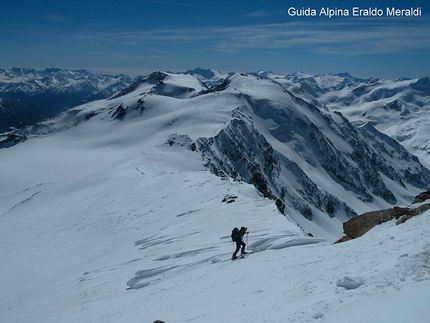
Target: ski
x,y
239,257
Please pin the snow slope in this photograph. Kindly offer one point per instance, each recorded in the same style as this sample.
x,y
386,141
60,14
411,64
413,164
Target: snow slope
x,y
145,238
398,108
106,215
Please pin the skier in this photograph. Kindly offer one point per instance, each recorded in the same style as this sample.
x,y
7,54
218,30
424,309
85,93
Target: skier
x,y
237,236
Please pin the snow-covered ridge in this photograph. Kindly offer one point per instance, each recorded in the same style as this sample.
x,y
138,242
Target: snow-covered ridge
x,y
395,107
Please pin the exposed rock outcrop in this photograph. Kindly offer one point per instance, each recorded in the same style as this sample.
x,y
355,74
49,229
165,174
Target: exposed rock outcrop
x,y
359,225
241,152
11,139
421,197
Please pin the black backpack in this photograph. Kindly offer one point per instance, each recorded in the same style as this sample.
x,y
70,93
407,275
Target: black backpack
x,y
235,234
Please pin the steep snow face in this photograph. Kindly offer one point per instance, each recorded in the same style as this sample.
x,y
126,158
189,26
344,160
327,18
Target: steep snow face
x,y
179,86
400,109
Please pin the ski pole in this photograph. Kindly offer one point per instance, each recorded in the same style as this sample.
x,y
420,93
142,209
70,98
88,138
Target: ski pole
x,y
247,240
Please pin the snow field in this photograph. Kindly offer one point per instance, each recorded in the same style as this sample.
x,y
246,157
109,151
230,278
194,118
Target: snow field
x,y
146,239
95,226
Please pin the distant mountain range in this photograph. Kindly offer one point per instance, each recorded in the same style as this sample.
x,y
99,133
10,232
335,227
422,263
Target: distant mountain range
x,y
28,96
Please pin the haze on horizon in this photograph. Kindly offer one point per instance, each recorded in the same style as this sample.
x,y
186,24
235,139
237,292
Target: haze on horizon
x,y
142,36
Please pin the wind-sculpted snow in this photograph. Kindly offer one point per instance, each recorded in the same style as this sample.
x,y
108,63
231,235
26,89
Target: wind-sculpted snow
x,y
281,242
350,282
177,264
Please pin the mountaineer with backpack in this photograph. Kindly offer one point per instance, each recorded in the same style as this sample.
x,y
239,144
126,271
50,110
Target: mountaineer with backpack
x,y
236,236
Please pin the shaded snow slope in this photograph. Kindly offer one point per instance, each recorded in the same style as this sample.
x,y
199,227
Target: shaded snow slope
x,y
400,108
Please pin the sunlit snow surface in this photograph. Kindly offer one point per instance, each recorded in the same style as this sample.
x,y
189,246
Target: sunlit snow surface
x,y
102,225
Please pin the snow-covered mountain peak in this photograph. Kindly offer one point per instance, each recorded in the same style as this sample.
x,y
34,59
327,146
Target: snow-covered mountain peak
x,y
165,84
204,73
422,84
322,147
210,77
324,82
56,80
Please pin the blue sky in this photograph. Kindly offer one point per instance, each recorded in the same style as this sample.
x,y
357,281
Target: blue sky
x,y
141,36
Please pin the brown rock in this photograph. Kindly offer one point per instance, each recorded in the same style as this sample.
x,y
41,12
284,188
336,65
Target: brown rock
x,y
359,225
343,239
421,197
413,212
